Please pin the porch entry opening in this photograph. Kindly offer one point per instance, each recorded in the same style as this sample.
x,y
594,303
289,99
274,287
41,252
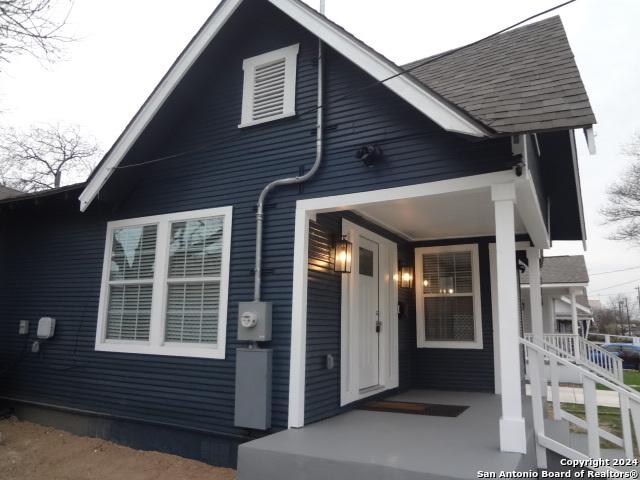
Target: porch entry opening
x,y
368,314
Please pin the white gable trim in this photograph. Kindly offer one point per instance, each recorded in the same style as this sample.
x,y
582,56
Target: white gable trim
x,y
380,68
157,98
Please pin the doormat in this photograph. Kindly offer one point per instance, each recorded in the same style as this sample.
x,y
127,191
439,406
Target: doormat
x,y
432,409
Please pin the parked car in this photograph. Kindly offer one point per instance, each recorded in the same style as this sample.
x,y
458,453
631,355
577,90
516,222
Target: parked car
x,y
629,353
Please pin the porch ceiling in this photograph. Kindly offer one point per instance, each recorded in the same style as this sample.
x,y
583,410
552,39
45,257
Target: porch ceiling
x,y
460,214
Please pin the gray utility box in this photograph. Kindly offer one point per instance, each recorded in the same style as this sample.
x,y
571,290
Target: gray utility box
x,y
253,388
254,321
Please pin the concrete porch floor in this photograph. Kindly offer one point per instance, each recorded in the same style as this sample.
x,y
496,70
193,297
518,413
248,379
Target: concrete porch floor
x,y
380,445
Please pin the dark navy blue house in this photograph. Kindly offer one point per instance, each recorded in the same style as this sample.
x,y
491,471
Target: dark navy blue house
x,y
388,259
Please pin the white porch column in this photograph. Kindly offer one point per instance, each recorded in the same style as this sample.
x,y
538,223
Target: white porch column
x,y
574,312
535,305
548,315
512,427
574,322
535,293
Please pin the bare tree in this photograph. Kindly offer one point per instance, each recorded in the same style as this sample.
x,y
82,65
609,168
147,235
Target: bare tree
x,y
623,208
34,27
45,157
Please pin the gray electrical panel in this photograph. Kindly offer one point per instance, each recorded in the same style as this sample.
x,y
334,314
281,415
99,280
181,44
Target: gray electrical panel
x,y
253,388
254,321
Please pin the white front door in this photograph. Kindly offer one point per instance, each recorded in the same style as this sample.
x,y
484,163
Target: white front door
x,y
369,320
368,313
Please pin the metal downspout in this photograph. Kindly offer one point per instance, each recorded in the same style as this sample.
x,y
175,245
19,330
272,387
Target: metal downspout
x,y
290,180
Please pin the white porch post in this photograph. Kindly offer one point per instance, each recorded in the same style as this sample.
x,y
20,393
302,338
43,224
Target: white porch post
x,y
535,305
512,427
548,315
574,312
574,323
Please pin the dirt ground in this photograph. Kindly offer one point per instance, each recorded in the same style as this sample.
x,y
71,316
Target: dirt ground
x,y
29,451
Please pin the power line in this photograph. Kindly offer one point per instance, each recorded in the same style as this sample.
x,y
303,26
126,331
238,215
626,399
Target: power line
x,y
617,285
615,271
349,93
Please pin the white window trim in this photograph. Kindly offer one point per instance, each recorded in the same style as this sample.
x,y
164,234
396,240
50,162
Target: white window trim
x,y
477,303
290,55
156,344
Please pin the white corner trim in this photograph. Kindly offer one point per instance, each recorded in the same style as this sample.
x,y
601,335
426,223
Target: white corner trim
x,y
403,85
289,55
477,342
388,301
156,344
298,362
157,98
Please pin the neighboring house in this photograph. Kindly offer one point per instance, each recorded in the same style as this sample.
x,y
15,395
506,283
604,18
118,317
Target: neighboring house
x,y
7,192
564,284
434,179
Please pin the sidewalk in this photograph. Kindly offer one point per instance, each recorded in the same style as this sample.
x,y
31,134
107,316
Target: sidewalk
x,y
606,398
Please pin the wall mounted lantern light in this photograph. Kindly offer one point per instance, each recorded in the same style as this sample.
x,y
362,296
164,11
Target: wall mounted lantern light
x,y
342,262
406,277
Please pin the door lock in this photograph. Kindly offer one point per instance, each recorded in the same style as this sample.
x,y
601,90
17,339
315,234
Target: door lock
x,y
378,326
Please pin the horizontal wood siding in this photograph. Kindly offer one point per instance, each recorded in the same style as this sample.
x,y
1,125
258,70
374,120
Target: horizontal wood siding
x,y
55,256
460,369
322,387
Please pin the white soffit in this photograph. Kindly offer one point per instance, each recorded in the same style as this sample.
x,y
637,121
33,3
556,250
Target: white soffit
x,y
450,215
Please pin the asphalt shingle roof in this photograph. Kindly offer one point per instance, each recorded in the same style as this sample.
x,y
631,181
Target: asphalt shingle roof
x,y
563,269
523,80
6,192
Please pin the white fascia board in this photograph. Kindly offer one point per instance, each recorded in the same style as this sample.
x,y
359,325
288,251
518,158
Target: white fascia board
x,y
403,85
153,104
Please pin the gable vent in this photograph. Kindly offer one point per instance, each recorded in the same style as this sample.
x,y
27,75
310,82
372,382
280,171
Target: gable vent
x,y
269,86
268,90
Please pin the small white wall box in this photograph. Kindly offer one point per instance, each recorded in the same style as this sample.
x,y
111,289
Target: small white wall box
x,y
254,321
23,329
46,327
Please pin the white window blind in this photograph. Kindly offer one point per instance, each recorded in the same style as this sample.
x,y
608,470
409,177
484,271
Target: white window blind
x,y
448,296
448,300
165,284
133,252
195,257
269,86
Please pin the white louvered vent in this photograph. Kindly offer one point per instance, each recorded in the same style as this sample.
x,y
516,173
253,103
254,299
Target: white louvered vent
x,y
268,90
269,86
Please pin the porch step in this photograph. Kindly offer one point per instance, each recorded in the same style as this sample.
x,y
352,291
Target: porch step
x,y
559,430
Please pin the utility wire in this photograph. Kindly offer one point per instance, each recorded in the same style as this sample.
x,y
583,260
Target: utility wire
x,y
616,285
615,271
350,92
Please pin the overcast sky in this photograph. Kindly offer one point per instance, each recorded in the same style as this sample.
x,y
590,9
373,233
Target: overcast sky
x,y
126,46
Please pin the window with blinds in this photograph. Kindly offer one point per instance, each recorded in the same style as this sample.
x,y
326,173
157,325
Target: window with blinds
x,y
195,258
165,284
448,296
133,251
269,86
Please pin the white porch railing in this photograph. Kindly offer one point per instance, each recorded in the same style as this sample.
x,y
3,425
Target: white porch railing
x,y
538,355
610,338
582,351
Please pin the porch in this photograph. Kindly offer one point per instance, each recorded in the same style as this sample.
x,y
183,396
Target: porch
x,y
373,445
